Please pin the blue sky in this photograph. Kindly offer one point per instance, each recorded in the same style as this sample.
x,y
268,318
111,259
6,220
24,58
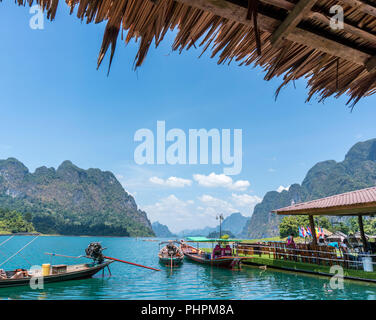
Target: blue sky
x,y
55,106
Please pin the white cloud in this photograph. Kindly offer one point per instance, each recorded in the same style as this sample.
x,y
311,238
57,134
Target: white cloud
x,y
281,188
240,185
177,214
165,207
173,182
212,201
245,200
220,180
180,214
121,179
213,206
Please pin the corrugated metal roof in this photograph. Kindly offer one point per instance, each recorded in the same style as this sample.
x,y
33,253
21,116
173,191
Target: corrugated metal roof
x,y
362,199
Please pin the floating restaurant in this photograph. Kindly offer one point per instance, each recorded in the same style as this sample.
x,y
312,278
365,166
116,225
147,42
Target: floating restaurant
x,y
317,257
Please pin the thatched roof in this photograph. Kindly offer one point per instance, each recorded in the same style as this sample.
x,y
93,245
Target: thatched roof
x,y
289,38
337,235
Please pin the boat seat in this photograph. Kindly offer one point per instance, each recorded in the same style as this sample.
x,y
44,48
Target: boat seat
x,y
9,273
58,269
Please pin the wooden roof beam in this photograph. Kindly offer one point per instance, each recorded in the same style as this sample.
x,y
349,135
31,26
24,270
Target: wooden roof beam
x,y
329,46
319,17
361,6
301,9
238,13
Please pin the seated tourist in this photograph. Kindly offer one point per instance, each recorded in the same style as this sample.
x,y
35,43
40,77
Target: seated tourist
x,y
217,251
290,241
228,251
345,245
346,252
19,274
3,275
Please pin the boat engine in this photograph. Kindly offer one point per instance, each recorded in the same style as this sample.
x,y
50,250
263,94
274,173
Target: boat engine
x,y
94,251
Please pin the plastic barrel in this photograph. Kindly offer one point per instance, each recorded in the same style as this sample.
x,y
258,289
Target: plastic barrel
x,y
367,264
46,269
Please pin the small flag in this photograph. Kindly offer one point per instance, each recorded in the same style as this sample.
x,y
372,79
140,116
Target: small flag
x,y
309,231
301,232
322,233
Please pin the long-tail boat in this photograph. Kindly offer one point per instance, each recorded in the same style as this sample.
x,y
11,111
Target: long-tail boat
x,y
219,257
171,254
57,273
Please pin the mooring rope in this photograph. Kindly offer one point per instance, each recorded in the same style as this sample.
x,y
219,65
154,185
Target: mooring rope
x,y
12,256
6,240
62,255
20,256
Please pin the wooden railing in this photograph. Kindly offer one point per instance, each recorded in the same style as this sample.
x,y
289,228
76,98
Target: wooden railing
x,y
307,253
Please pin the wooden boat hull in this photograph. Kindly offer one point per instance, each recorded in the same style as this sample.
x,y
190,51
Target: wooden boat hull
x,y
197,255
73,275
170,254
176,261
223,262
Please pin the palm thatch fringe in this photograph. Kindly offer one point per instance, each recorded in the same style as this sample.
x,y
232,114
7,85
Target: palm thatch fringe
x,y
148,21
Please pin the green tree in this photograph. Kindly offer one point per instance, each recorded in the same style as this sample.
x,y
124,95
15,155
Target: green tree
x,y
290,224
343,227
13,221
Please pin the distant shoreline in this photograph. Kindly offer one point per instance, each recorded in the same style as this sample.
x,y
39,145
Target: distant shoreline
x,y
66,235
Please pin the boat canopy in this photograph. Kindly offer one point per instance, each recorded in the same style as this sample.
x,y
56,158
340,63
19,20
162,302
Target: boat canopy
x,y
170,241
204,239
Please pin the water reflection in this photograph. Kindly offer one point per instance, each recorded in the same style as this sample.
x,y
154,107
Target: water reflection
x,y
189,281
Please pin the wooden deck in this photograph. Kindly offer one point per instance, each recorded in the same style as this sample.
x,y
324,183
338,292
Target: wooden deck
x,y
306,258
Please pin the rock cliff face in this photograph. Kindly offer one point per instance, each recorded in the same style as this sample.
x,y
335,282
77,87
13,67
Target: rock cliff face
x,y
162,230
356,171
234,223
71,200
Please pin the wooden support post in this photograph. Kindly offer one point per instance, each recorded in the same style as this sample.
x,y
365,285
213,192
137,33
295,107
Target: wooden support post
x,y
361,228
301,9
313,230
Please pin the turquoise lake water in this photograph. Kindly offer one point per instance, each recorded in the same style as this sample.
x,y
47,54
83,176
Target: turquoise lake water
x,y
190,281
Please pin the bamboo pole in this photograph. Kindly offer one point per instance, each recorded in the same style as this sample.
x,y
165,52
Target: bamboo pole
x,y
131,263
